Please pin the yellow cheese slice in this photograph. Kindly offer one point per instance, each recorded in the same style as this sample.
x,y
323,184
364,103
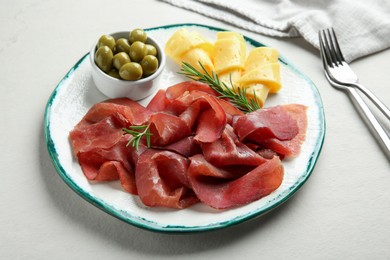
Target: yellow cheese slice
x,y
259,57
268,75
229,52
230,77
259,91
229,35
194,56
183,40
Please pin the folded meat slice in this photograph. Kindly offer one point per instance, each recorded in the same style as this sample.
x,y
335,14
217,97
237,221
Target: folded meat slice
x,y
186,147
262,124
230,110
196,104
110,164
103,134
210,125
124,108
102,125
291,148
209,114
158,102
219,188
179,89
162,181
167,129
172,101
228,150
103,155
100,146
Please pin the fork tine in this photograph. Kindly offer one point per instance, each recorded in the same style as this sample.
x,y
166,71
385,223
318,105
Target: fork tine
x,y
322,50
330,47
335,46
324,47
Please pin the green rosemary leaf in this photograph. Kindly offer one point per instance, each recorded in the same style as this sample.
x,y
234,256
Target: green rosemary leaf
x,y
138,132
138,127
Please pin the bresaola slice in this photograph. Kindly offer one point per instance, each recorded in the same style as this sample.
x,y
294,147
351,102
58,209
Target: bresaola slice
x,y
167,129
103,134
264,124
100,146
161,179
122,108
179,89
228,150
203,148
292,147
211,117
220,189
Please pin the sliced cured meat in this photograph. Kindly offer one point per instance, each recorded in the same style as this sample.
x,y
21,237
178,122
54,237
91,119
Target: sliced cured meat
x,y
260,125
100,146
211,118
167,129
125,108
115,163
179,89
291,148
230,110
203,148
228,150
213,186
103,134
186,147
190,114
195,103
162,181
210,126
263,152
176,94
102,124
158,102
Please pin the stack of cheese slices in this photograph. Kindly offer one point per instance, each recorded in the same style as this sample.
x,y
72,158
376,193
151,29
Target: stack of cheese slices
x,y
257,70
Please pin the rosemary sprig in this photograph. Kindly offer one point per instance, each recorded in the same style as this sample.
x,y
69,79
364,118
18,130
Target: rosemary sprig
x,y
237,97
138,131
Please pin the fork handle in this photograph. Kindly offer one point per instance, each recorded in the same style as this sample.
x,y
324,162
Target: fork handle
x,y
382,136
374,99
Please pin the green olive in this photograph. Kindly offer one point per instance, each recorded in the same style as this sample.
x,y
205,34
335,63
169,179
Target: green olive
x,y
138,35
122,44
131,71
103,58
151,50
114,73
106,40
120,59
137,51
149,65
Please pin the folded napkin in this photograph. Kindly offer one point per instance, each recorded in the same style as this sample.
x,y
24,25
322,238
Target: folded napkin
x,y
362,27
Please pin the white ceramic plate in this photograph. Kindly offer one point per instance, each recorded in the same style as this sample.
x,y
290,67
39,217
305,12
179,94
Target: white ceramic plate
x,y
76,93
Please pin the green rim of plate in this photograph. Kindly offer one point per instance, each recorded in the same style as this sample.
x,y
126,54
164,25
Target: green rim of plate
x,y
150,225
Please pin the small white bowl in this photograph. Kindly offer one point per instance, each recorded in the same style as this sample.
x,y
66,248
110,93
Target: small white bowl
x,y
135,90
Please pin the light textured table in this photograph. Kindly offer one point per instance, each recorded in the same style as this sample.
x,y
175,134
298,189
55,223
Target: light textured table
x,y
342,212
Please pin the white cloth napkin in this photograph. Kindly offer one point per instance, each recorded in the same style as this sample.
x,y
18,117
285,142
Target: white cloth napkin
x,y
362,26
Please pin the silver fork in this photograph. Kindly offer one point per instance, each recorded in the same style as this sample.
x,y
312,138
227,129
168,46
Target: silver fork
x,y
339,70
376,127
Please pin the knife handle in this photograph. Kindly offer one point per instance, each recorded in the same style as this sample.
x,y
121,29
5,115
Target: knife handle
x,y
383,108
376,127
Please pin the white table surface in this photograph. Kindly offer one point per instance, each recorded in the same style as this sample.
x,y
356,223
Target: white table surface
x,y
342,211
